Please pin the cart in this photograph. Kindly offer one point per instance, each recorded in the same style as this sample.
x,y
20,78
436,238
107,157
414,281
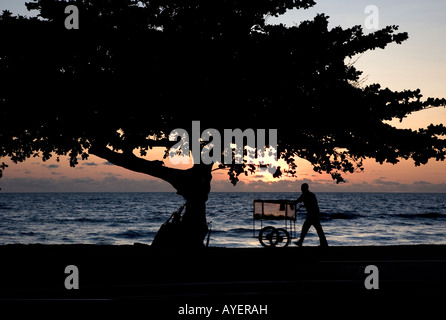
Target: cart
x,y
275,210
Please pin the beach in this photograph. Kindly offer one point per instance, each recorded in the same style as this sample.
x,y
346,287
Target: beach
x,y
285,280
91,251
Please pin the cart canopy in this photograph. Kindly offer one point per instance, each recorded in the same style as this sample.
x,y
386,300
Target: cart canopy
x,y
274,210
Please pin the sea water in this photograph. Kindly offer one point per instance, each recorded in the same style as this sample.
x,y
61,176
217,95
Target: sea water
x,y
126,218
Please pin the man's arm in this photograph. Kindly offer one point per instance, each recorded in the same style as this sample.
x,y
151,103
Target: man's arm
x,y
300,199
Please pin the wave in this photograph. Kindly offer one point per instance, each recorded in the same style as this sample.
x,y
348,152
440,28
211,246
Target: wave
x,y
89,220
83,219
239,230
232,231
5,207
340,215
217,231
131,234
24,233
426,215
352,215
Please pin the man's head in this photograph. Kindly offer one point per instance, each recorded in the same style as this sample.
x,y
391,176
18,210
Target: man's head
x,y
304,187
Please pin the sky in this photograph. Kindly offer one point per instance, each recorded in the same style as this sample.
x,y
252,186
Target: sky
x,y
420,62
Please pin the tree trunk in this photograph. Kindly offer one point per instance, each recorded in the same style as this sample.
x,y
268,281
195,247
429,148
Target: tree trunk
x,y
193,184
191,230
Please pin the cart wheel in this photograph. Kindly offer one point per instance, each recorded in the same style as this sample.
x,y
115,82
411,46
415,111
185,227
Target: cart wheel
x,y
266,236
281,238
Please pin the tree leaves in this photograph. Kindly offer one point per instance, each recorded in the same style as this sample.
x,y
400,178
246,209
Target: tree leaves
x,y
148,67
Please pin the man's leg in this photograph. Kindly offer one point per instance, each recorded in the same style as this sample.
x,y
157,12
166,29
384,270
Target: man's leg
x,y
320,233
303,233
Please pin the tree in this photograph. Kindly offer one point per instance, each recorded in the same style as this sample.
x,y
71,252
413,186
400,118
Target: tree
x,y
136,70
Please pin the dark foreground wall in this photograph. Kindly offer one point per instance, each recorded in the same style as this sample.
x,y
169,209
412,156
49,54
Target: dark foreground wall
x,y
226,283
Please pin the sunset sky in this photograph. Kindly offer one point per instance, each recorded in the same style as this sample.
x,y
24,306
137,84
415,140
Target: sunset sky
x,y
420,62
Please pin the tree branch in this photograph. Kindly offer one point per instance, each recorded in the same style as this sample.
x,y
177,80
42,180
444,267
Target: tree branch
x,y
131,162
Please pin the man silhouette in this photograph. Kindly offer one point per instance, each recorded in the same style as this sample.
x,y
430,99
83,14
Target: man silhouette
x,y
310,204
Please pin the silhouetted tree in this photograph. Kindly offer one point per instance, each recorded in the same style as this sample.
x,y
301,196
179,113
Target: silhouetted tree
x,y
135,70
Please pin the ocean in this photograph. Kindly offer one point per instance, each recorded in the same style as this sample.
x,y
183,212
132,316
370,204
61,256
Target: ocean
x,y
348,219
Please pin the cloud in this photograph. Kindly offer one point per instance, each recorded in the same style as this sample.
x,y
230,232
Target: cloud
x,y
50,166
424,183
116,183
84,184
283,185
380,181
90,164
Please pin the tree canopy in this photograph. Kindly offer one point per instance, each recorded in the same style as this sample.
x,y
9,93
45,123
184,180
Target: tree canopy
x,y
135,70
